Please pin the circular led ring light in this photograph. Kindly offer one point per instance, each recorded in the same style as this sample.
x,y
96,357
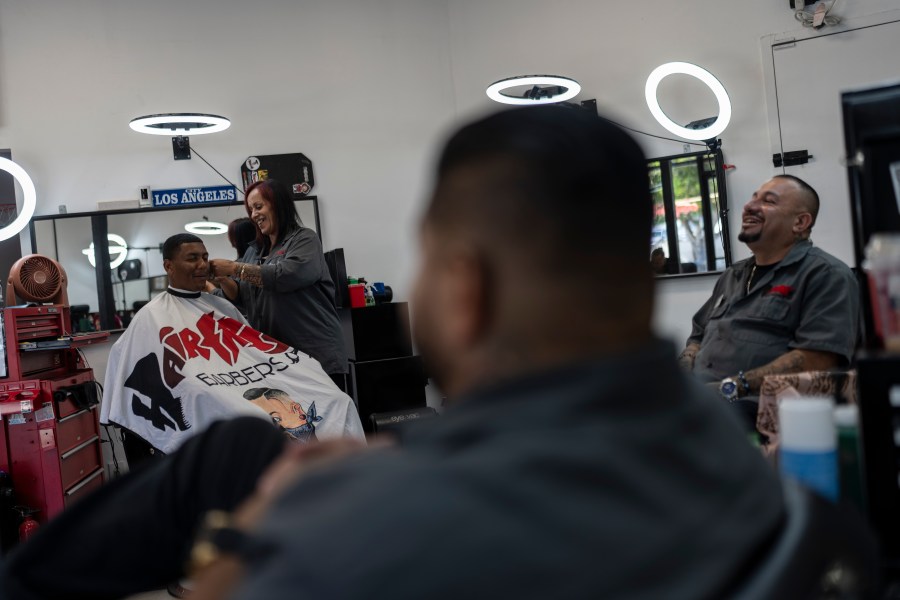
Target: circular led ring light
x,y
206,227
663,71
120,250
179,124
29,199
495,90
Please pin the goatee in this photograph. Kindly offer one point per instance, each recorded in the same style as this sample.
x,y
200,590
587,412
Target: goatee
x,y
749,238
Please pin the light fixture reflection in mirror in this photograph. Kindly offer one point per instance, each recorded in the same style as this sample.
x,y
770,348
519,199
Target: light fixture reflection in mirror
x,y
117,252
555,89
673,68
206,227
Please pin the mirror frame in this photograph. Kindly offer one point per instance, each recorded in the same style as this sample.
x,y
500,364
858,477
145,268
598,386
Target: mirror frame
x,y
708,215
99,230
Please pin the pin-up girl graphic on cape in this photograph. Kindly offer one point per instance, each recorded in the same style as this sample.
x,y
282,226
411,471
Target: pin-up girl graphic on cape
x,y
286,413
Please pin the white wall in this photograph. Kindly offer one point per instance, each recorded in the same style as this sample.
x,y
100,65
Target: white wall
x,y
365,88
610,48
360,87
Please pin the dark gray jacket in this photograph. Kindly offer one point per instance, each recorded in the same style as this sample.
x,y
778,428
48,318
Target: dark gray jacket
x,y
620,478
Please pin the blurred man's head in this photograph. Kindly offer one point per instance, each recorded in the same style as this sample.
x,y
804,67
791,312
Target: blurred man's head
x,y
781,212
534,246
186,262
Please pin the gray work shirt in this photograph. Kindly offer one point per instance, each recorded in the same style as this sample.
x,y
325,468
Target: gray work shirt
x,y
295,304
810,301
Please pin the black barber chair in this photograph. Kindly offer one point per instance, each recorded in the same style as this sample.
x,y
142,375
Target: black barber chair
x,y
824,550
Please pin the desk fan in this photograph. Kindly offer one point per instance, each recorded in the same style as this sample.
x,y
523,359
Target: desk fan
x,y
37,278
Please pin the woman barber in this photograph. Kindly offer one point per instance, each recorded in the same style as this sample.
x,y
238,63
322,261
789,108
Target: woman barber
x,y
282,281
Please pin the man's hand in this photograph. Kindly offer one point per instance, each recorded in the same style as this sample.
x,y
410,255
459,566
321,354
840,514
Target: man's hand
x,y
219,580
688,355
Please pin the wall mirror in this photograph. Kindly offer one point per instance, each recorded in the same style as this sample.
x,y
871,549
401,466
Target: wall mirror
x,y
129,278
690,231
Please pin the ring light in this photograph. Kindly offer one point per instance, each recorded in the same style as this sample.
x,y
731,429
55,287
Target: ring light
x,y
495,90
663,71
175,124
206,227
29,199
120,251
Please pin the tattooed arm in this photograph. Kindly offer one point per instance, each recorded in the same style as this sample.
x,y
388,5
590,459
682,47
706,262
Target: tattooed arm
x,y
794,361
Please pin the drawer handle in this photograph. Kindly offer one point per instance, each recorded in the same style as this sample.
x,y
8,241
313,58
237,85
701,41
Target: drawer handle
x,y
84,482
73,415
66,455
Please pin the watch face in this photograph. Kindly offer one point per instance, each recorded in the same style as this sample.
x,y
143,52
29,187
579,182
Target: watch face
x,y
728,388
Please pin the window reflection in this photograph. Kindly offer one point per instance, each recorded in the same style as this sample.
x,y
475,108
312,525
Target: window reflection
x,y
687,234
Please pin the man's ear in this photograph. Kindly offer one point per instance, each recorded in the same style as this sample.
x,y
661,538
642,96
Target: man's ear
x,y
469,297
803,223
167,265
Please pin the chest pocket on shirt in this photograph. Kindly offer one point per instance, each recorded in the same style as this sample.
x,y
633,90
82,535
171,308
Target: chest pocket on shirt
x,y
766,322
770,308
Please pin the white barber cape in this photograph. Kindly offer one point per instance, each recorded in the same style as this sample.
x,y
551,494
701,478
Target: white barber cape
x,y
189,358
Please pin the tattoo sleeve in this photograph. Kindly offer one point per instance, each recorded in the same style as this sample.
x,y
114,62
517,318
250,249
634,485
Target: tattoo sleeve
x,y
688,355
794,361
252,274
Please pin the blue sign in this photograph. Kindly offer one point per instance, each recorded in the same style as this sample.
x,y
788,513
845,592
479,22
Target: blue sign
x,y
195,195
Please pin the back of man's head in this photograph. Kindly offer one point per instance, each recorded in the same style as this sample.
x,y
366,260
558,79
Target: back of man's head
x,y
556,193
572,182
547,212
171,245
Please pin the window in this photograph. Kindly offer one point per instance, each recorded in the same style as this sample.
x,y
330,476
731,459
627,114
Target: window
x,y
689,233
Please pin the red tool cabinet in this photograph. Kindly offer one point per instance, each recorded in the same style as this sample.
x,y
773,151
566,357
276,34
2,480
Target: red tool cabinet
x,y
50,442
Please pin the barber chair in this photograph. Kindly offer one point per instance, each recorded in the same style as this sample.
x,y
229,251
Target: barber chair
x,y
137,450
823,550
840,385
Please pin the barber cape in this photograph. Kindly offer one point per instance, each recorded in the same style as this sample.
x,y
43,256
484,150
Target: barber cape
x,y
188,359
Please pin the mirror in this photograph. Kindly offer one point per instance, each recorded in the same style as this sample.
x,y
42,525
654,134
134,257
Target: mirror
x,y
690,231
137,275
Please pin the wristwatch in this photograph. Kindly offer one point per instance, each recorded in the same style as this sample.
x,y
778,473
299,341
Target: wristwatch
x,y
729,389
218,536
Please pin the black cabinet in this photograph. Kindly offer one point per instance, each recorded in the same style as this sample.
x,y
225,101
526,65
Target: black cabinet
x,y
879,410
385,376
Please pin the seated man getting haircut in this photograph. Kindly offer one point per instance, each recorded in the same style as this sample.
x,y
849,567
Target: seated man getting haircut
x,y
574,459
790,308
188,357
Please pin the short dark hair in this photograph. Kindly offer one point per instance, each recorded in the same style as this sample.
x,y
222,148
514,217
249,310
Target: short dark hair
x,y
280,198
570,182
241,233
171,245
810,197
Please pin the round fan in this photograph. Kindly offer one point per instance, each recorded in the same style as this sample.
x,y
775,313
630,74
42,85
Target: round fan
x,y
37,278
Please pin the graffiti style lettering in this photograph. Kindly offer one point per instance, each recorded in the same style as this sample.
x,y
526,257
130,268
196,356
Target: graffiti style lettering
x,y
224,337
146,380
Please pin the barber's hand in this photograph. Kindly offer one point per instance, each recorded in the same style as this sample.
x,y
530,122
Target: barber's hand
x,y
221,267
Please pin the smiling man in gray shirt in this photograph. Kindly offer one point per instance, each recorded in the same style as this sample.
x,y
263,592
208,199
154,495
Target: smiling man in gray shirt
x,y
789,308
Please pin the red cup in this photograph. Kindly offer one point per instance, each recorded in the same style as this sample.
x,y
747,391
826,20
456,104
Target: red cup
x,y
357,295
